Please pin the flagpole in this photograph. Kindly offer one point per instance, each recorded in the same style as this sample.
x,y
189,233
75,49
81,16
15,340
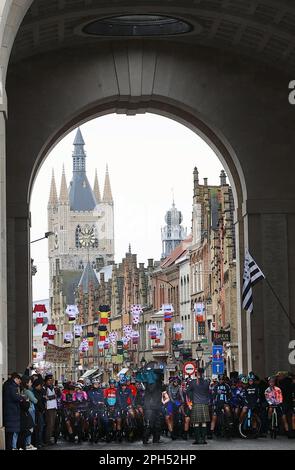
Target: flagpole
x,y
283,308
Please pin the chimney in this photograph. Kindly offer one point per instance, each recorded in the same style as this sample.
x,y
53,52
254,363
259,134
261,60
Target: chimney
x,y
150,263
205,181
141,266
196,180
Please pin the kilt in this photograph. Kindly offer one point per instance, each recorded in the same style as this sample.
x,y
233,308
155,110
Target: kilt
x,y
200,414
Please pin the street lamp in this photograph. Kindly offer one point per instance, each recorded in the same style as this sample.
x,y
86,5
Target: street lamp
x,y
199,353
46,235
176,353
143,361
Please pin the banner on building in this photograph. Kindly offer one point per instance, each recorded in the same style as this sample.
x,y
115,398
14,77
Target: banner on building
x,y
199,309
220,336
120,348
201,328
58,355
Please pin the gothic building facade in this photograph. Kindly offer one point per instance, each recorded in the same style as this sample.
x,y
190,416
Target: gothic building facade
x,y
82,220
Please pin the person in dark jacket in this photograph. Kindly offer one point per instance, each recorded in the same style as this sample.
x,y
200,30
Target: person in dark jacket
x,y
152,403
198,390
11,410
40,407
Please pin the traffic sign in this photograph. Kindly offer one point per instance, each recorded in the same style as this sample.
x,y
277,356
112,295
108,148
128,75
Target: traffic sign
x,y
217,353
217,367
189,368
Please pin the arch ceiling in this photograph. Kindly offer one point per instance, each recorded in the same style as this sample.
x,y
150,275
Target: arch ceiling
x,y
260,29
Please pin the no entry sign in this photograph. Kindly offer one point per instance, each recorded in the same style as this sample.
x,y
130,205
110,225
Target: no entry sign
x,y
189,368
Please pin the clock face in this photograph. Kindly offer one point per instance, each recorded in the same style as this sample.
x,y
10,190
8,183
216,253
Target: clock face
x,y
87,237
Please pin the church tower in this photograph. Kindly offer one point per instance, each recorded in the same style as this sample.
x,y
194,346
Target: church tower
x,y
82,222
173,233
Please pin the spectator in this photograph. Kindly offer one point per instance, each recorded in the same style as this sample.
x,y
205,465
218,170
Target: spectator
x,y
40,407
11,410
51,408
29,424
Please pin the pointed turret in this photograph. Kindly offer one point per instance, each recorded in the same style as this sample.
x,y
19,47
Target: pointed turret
x,y
53,201
88,278
63,195
107,192
79,156
81,196
96,189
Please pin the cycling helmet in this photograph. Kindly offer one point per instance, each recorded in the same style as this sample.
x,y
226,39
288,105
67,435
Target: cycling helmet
x,y
112,381
96,380
214,377
272,377
78,385
104,385
221,377
244,379
123,381
127,378
251,376
87,382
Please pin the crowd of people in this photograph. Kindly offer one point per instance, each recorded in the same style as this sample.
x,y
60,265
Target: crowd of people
x,y
37,412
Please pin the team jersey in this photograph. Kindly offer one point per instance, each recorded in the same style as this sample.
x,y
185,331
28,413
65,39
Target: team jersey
x,y
96,396
250,397
273,395
111,396
235,400
221,393
133,389
125,397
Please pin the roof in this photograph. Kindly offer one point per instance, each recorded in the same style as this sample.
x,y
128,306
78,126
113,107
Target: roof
x,y
107,271
177,253
81,195
70,281
88,277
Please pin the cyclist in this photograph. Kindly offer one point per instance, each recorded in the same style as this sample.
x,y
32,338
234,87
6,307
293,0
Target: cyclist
x,y
131,385
185,409
249,395
235,401
68,409
113,408
274,398
221,401
176,399
126,401
96,406
80,400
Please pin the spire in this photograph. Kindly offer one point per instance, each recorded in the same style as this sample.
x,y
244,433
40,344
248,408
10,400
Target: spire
x,y
88,278
96,189
129,248
53,201
79,155
196,180
63,194
222,178
107,192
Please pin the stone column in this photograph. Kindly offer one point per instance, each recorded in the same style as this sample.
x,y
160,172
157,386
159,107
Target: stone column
x,y
3,272
19,288
271,231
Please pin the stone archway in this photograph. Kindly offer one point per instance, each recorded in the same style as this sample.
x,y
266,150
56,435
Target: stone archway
x,y
230,99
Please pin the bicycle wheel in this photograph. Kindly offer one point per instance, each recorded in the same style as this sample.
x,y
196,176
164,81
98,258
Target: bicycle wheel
x,y
250,428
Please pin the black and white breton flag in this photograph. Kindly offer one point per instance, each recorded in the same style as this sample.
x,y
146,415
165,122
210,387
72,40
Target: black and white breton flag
x,y
252,274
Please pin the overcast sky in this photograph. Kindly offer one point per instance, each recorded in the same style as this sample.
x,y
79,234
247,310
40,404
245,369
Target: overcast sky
x,y
148,156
